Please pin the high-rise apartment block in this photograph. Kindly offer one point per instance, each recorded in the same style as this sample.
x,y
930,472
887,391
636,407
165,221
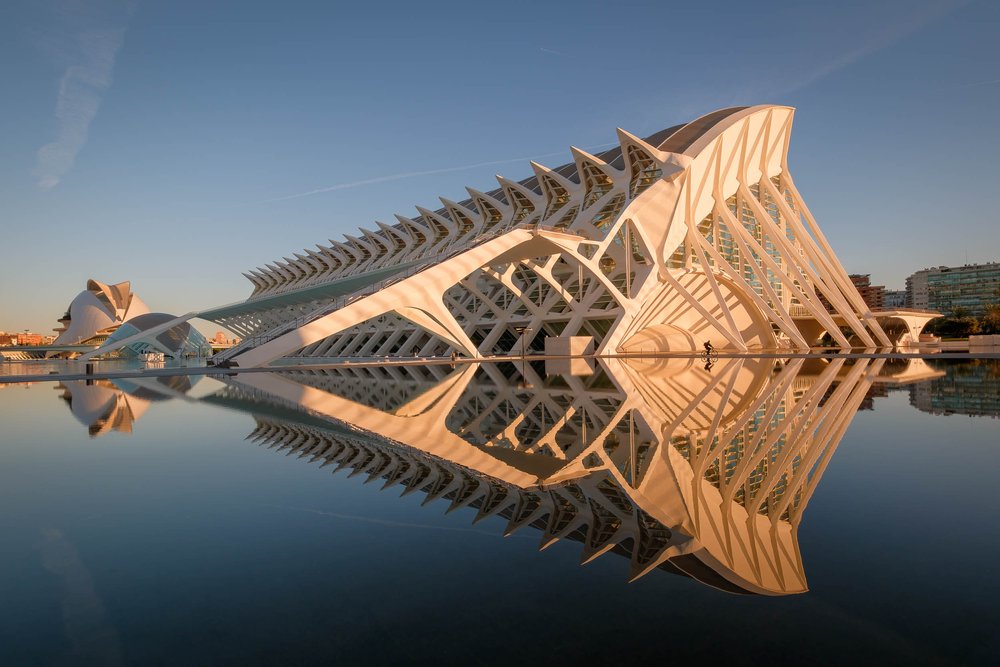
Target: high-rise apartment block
x,y
873,295
895,299
947,288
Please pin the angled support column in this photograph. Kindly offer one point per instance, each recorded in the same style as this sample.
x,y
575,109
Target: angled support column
x,y
420,295
435,318
138,337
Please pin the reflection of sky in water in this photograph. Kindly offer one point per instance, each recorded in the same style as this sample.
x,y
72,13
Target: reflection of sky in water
x,y
181,542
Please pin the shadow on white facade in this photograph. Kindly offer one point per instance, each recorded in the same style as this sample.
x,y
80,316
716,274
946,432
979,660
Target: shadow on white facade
x,y
697,233
704,474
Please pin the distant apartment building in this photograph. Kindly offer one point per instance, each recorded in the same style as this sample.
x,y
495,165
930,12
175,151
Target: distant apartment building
x,y
873,295
25,338
916,290
220,339
945,288
895,299
31,339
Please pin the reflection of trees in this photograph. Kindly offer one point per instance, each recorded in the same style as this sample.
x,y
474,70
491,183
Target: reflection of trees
x,y
954,326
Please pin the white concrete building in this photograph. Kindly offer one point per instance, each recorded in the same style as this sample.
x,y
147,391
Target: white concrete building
x,y
97,312
695,233
702,473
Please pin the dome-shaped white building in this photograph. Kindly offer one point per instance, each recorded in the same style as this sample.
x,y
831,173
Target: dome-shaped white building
x,y
97,312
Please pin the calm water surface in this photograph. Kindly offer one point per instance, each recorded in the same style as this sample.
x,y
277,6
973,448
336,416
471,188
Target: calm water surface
x,y
758,512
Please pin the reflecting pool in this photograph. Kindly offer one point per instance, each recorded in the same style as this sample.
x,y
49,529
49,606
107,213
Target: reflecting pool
x,y
795,510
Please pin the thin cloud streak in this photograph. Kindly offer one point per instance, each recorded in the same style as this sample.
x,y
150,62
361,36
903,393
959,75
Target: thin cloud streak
x,y
413,174
916,20
974,84
81,90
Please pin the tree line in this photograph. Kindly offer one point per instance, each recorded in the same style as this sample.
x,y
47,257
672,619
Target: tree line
x,y
960,323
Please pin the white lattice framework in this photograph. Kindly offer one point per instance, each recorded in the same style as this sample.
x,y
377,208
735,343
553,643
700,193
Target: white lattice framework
x,y
656,245
676,467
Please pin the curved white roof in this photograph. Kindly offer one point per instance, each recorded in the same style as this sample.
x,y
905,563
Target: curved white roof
x,y
98,308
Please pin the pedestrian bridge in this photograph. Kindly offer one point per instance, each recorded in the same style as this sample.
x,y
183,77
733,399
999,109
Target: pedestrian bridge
x,y
902,325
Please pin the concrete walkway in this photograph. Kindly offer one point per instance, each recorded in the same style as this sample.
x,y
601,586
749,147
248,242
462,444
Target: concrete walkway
x,y
444,361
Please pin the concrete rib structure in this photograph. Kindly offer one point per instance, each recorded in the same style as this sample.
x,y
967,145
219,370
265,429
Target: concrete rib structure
x,y
695,233
679,468
700,473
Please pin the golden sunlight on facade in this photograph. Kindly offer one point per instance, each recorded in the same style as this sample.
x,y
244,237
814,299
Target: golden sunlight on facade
x,y
695,233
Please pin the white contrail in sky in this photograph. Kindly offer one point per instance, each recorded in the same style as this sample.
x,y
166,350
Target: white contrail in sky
x,y
916,19
411,174
973,84
80,92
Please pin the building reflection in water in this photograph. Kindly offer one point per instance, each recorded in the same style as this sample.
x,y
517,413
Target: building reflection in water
x,y
704,474
115,405
971,389
700,473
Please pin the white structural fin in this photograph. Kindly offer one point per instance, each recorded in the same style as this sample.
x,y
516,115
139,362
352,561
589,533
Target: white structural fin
x,y
693,234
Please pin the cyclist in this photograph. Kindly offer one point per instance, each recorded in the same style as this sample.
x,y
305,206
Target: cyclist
x,y
708,347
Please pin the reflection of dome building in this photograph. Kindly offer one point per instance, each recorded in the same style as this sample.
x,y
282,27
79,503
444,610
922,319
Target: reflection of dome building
x,y
97,312
181,340
115,405
101,406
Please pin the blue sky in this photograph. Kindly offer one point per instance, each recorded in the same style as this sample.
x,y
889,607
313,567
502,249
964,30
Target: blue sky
x,y
166,143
